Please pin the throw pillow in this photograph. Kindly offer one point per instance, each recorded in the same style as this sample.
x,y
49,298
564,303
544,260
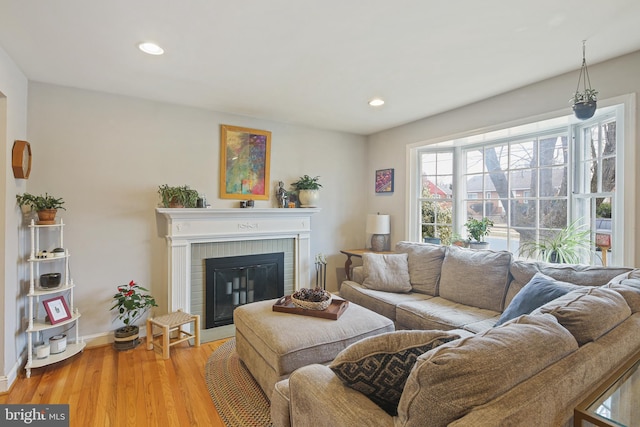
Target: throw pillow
x,y
475,278
425,263
588,312
540,290
378,366
629,289
386,272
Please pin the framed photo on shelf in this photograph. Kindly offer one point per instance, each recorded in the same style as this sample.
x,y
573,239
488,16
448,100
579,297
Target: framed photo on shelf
x,y
245,155
57,309
384,181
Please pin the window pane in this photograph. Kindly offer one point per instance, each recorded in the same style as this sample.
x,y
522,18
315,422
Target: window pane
x,y
474,161
553,213
553,151
496,158
523,183
524,213
521,155
553,182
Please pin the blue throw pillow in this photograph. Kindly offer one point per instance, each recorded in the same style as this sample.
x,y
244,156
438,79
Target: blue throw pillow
x,y
540,290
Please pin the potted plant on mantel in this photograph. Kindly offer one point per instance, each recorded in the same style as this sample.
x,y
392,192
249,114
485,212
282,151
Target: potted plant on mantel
x,y
45,206
564,247
132,301
477,230
308,191
177,197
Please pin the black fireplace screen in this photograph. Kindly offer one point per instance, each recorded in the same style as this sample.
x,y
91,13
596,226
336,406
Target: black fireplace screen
x,y
238,280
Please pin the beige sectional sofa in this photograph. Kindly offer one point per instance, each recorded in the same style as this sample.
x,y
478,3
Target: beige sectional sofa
x,y
532,369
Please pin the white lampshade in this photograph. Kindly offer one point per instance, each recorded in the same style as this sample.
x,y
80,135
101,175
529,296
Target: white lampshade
x,y
378,224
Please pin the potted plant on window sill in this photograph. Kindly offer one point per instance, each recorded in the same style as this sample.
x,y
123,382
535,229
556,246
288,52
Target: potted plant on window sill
x,y
45,206
178,197
308,191
477,230
564,247
132,302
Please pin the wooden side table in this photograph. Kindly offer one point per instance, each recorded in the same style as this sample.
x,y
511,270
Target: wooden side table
x,y
357,253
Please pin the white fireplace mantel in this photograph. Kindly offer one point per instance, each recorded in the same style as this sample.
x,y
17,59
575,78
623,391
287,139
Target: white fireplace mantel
x,y
184,227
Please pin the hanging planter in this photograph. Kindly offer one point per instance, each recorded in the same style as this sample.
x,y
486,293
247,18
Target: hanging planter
x,y
585,102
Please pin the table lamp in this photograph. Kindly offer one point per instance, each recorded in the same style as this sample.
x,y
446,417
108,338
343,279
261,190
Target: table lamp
x,y
380,227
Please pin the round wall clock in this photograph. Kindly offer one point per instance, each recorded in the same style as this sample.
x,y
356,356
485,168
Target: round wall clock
x,y
21,159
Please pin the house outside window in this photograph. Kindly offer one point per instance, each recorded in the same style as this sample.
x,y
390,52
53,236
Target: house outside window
x,y
531,184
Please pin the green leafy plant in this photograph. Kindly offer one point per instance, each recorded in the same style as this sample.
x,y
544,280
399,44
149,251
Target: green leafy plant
x,y
178,196
604,210
132,302
307,183
589,95
39,203
565,246
478,228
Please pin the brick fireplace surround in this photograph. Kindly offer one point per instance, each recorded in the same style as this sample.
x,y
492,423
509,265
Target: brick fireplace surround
x,y
185,227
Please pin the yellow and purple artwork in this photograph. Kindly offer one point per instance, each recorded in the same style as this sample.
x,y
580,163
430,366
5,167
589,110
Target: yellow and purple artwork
x,y
245,163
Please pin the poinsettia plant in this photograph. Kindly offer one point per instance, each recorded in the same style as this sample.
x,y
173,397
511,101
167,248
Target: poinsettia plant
x,y
132,302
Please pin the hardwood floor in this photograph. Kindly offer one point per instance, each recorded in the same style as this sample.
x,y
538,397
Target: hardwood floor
x,y
104,387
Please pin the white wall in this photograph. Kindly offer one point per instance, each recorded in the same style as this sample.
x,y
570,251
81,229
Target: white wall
x,y
387,149
13,125
106,155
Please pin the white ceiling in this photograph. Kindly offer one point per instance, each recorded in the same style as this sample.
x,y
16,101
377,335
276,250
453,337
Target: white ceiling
x,y
314,63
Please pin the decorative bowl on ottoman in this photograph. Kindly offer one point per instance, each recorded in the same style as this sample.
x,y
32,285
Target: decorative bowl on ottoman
x,y
50,280
312,299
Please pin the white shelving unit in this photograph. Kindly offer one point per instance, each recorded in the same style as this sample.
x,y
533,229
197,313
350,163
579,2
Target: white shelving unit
x,y
37,324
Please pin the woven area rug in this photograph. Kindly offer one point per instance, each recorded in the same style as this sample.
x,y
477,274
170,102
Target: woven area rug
x,y
238,398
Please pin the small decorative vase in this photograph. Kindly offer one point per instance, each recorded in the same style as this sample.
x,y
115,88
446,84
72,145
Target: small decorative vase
x,y
309,198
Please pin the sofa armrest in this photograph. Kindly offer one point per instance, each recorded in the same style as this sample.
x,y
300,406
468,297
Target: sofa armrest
x,y
319,398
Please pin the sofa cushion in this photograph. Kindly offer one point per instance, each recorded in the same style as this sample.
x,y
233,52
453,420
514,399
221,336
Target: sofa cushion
x,y
379,301
583,275
447,382
588,312
440,313
425,263
540,290
378,367
628,287
477,278
386,272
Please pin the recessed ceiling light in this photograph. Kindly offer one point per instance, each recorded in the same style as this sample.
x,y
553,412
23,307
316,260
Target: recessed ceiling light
x,y
376,102
151,48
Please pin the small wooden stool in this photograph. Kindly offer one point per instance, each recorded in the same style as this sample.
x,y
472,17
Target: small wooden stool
x,y
169,323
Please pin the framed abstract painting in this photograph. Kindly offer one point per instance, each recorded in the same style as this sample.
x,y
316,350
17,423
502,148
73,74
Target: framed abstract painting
x,y
384,181
245,155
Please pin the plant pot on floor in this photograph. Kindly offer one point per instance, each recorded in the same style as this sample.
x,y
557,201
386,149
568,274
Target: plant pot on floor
x,y
126,338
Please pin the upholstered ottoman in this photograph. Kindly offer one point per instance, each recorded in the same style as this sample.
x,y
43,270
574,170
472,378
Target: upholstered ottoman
x,y
273,344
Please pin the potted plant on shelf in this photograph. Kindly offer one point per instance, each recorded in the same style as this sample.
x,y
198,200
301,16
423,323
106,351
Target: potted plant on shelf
x,y
132,302
308,191
565,246
178,197
477,230
45,206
